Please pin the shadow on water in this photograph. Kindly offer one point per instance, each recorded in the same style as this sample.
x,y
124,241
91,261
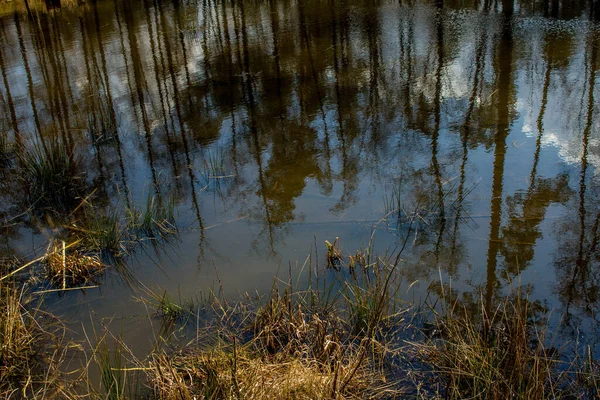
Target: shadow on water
x,y
278,121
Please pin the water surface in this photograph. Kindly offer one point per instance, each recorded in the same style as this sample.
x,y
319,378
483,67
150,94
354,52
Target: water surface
x,y
277,125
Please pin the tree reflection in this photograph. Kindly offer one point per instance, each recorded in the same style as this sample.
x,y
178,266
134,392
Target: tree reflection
x,y
344,97
577,258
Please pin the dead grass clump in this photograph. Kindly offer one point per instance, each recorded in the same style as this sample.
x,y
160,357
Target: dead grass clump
x,y
18,339
282,326
72,269
243,373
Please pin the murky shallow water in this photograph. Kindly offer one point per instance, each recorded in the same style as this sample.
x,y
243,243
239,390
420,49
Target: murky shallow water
x,y
277,125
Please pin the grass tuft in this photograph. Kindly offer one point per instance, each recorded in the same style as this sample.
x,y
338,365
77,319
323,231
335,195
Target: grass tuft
x,y
103,232
71,269
155,220
52,175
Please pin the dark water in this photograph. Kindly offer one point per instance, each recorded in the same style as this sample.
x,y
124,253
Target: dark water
x,y
280,124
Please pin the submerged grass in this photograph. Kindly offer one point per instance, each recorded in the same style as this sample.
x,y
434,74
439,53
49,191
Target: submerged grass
x,y
169,310
103,232
156,219
215,173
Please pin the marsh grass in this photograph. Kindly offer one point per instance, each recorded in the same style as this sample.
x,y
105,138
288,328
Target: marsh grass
x,y
155,220
500,353
370,303
112,376
170,311
33,347
292,345
114,233
52,175
342,339
281,350
101,127
225,373
102,232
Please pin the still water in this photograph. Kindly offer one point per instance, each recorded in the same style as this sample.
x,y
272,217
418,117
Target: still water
x,y
278,124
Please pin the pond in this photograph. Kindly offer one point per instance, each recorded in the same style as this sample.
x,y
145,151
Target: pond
x,y
466,134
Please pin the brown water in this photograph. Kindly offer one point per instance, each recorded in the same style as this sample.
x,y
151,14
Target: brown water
x,y
281,124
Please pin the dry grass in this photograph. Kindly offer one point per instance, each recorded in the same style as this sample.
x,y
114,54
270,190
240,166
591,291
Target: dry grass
x,y
502,353
297,345
72,269
222,374
33,348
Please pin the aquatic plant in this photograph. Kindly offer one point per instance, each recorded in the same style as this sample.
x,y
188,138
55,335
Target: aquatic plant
x,y
102,232
169,310
215,172
101,126
52,176
112,377
155,220
113,232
